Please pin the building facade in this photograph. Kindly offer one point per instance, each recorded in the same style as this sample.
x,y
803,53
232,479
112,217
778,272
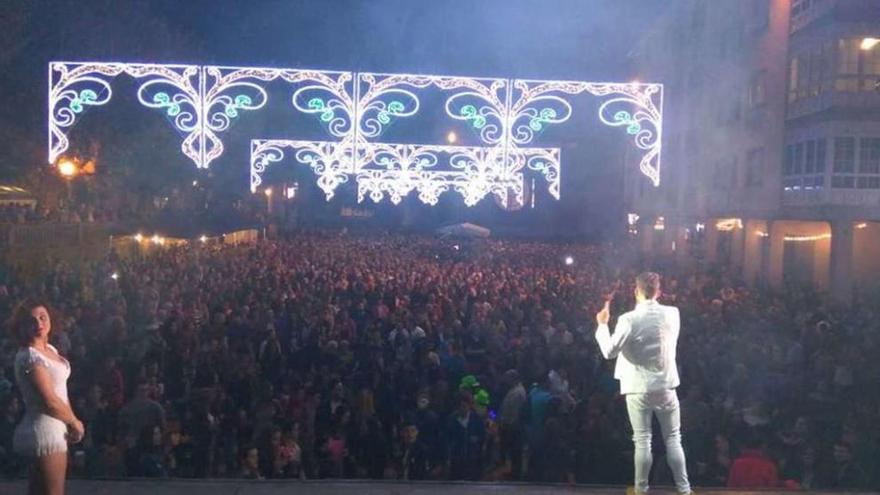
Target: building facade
x,y
771,146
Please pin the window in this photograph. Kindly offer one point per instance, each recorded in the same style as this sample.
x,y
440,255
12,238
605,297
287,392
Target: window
x,y
843,181
814,182
755,167
810,159
844,155
799,158
788,166
803,75
793,69
817,72
848,52
811,73
820,155
869,156
868,183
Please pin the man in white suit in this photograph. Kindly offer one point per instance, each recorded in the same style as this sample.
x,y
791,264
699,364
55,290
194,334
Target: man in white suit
x,y
644,343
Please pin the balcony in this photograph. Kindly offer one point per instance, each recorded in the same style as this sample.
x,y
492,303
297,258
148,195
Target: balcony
x,y
864,101
832,197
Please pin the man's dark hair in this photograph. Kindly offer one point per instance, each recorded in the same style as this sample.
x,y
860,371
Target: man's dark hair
x,y
756,438
648,284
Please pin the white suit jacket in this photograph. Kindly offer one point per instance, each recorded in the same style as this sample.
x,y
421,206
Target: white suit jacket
x,y
644,344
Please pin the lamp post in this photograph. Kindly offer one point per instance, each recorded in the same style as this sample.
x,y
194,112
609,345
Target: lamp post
x,y
268,193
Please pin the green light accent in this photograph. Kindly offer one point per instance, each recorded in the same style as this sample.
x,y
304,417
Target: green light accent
x,y
470,113
326,112
394,108
632,125
85,96
544,116
164,100
240,101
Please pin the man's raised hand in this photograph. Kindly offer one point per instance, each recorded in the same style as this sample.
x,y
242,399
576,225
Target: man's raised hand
x,y
603,316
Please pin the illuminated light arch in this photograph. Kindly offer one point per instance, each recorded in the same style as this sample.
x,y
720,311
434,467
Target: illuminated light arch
x,y
327,94
355,110
175,89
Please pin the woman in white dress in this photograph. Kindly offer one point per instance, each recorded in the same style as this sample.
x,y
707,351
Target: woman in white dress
x,y
49,422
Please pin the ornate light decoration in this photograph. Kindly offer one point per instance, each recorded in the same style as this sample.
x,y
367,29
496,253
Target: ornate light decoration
x,y
174,89
356,109
636,107
326,94
330,161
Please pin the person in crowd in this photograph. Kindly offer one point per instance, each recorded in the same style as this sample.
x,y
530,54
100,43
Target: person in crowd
x,y
753,468
190,323
415,461
250,464
510,419
466,435
140,413
844,473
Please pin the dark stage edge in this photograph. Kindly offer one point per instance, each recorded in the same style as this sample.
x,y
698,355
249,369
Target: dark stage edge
x,y
235,487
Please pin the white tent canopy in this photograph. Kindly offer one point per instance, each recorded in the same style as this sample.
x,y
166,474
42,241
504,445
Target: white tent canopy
x,y
464,230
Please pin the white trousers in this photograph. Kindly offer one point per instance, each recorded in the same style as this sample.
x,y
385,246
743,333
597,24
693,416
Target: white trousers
x,y
664,404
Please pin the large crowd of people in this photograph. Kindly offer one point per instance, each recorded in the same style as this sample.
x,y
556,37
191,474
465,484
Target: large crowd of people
x,y
388,356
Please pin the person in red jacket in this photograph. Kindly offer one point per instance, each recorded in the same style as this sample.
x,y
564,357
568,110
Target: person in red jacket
x,y
753,468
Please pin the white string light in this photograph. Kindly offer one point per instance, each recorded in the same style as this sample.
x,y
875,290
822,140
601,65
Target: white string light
x,y
356,109
728,224
660,223
798,238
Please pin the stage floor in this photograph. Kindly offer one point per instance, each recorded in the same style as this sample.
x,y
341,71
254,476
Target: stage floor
x,y
234,487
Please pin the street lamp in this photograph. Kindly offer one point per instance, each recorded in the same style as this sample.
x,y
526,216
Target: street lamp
x,y
67,169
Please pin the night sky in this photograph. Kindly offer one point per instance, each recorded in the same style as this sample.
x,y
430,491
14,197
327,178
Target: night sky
x,y
542,39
